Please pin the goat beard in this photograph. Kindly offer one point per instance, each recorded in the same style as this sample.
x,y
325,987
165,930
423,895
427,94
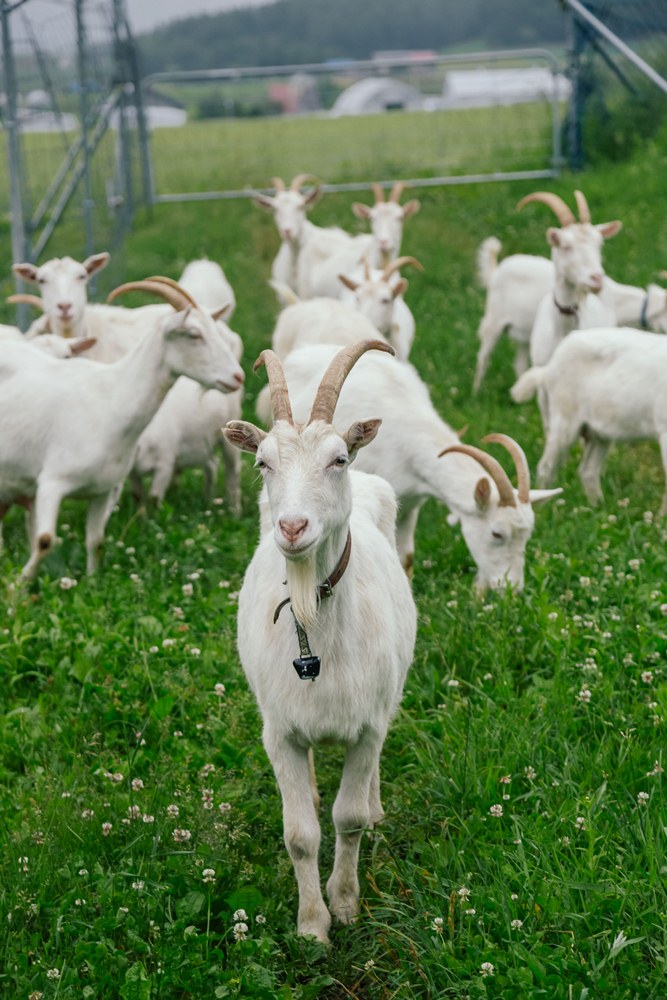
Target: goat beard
x,y
302,586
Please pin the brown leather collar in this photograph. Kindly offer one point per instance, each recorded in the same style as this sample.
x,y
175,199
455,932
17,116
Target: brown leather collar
x,y
566,310
326,589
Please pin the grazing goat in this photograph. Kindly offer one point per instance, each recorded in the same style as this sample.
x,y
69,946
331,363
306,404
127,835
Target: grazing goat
x,y
496,520
207,283
606,385
387,219
72,429
332,539
515,288
576,252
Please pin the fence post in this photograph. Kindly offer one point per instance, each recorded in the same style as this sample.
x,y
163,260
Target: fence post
x,y
83,111
19,244
576,44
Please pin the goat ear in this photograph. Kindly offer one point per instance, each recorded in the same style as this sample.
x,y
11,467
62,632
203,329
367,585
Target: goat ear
x,y
263,201
96,262
411,207
223,312
348,282
80,344
400,287
360,434
482,494
244,435
26,271
609,229
313,197
554,236
541,496
360,210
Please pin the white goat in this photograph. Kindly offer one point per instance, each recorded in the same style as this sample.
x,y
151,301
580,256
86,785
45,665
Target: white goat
x,y
207,283
516,286
289,208
387,219
496,520
63,284
48,343
378,295
335,526
606,385
318,321
576,252
71,429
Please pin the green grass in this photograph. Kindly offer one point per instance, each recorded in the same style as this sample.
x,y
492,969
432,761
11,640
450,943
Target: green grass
x,y
111,712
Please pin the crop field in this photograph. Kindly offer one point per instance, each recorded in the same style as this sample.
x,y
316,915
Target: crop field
x,y
523,850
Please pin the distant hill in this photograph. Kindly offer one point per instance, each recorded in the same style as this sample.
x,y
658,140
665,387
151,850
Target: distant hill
x,y
303,31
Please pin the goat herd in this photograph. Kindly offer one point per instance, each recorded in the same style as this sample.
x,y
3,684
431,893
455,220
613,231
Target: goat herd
x,y
326,597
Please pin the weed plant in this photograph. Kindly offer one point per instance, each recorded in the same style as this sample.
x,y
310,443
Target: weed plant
x,y
523,853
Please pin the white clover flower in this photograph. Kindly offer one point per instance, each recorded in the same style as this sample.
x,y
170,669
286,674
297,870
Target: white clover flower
x,y
585,581
438,924
530,773
147,818
152,649
261,919
634,564
66,583
516,924
188,590
138,885
240,931
195,651
496,810
206,770
219,689
172,810
79,902
584,696
463,893
83,871
181,836
642,798
471,912
208,875
515,895
370,964
87,814
647,676
53,973
166,643
106,829
225,807
178,612
505,779
239,915
453,683
657,769
487,969
137,784
580,823
133,812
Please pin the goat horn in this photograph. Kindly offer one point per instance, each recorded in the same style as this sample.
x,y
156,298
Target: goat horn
x,y
564,214
173,284
394,265
494,468
31,300
173,296
582,206
335,375
301,179
280,404
520,462
367,269
396,191
378,192
278,183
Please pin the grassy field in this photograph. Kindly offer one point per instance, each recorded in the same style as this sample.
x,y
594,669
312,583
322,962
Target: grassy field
x,y
523,853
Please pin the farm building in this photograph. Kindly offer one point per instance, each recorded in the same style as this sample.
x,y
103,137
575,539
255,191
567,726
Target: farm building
x,y
478,88
375,94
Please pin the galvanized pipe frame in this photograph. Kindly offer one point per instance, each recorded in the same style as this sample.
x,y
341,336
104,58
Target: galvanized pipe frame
x,y
368,65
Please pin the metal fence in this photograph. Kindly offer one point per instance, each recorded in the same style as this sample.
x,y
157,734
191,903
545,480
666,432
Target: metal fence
x,y
70,156
434,121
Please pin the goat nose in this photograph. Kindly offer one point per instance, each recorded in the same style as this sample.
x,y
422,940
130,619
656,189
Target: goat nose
x,y
293,528
239,377
64,307
596,281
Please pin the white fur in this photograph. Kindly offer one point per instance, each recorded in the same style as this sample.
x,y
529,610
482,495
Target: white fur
x,y
610,384
320,321
71,429
406,454
207,283
364,634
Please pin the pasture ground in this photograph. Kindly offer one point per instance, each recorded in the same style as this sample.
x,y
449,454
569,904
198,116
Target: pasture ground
x,y
523,853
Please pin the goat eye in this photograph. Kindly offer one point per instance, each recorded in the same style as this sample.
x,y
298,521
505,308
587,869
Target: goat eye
x,y
194,335
339,461
498,535
261,464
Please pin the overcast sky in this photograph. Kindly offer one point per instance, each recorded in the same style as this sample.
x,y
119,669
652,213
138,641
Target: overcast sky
x,y
147,14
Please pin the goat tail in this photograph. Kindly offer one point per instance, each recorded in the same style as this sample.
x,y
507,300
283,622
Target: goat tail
x,y
527,385
487,259
286,296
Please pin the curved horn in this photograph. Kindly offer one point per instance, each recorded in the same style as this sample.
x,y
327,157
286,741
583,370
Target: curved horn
x,y
280,404
564,214
31,300
301,179
520,462
394,265
174,284
278,183
582,206
335,375
494,468
396,191
378,192
165,291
